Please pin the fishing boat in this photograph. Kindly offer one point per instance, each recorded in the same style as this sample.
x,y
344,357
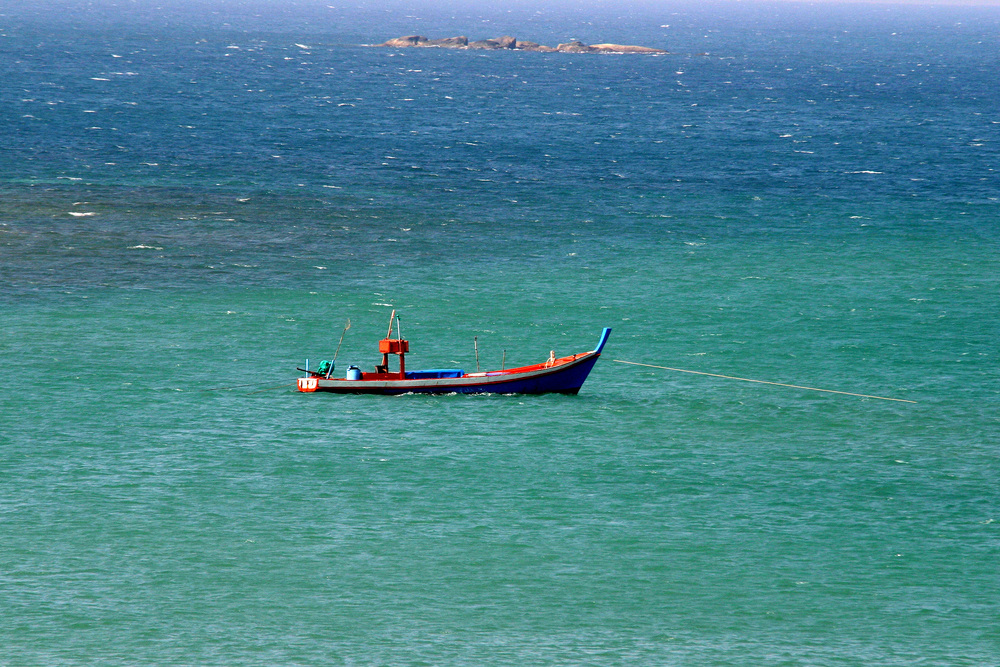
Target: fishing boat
x,y
563,375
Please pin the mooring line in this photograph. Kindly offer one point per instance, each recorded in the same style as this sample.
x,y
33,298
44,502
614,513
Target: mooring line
x,y
778,384
290,384
236,386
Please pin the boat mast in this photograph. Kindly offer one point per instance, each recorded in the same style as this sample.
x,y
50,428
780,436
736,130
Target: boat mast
x,y
390,345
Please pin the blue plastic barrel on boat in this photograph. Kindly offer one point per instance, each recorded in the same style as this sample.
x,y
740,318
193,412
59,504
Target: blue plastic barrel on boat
x,y
353,373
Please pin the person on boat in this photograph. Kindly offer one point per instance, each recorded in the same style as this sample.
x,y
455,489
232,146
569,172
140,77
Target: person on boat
x,y
551,361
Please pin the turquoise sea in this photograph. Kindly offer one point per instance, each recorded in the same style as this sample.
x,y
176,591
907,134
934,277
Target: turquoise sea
x,y
196,198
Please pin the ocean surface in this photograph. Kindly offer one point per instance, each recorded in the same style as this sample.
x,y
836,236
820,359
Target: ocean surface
x,y
195,199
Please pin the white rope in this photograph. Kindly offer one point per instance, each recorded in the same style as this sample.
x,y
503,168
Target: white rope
x,y
778,384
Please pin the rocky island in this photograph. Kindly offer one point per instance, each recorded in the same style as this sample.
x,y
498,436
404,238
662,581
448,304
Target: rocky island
x,y
507,42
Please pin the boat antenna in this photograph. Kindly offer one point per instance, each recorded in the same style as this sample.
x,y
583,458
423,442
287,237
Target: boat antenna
x,y
346,327
503,361
399,333
475,341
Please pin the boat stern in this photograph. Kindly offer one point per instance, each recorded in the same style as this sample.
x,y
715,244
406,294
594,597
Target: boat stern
x,y
309,384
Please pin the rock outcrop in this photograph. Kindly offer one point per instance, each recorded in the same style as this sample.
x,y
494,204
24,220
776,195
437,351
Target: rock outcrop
x,y
409,40
507,42
449,42
622,48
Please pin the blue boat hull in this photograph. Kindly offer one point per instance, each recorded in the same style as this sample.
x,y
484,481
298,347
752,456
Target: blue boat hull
x,y
566,379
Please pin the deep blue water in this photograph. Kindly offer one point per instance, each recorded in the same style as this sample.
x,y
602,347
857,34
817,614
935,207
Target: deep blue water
x,y
199,197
